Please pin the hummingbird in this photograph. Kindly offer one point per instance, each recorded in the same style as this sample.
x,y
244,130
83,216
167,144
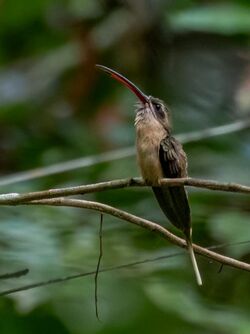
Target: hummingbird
x,y
159,156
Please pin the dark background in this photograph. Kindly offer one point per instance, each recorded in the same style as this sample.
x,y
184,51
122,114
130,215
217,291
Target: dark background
x,y
55,106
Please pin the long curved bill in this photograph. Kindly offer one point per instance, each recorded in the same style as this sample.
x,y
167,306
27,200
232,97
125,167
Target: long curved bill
x,y
141,96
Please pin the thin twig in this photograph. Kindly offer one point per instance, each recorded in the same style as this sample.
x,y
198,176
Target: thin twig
x,y
220,269
16,274
15,198
146,224
98,268
195,136
122,266
209,184
122,153
80,275
66,166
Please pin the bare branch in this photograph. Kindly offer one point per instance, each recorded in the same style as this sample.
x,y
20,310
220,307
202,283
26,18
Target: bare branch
x,y
15,198
122,153
209,184
49,197
153,227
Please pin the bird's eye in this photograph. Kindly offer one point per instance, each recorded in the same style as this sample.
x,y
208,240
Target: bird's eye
x,y
158,110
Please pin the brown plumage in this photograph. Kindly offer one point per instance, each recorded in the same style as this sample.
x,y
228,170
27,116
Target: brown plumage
x,y
173,200
159,156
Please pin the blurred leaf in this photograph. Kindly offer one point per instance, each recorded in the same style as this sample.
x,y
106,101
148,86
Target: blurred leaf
x,y
186,303
55,106
224,18
229,227
16,13
85,8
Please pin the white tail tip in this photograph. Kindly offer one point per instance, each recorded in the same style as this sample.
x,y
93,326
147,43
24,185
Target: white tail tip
x,y
194,263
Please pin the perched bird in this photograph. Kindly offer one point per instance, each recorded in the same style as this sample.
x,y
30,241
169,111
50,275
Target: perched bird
x,y
159,156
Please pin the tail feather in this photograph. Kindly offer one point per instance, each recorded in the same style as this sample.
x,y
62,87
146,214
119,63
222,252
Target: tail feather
x,y
194,262
174,203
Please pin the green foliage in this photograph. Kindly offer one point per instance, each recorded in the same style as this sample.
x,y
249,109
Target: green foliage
x,y
225,18
55,106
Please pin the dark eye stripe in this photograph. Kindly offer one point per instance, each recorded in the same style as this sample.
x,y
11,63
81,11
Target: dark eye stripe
x,y
159,110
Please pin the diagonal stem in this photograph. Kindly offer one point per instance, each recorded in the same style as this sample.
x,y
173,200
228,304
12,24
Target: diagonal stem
x,y
144,223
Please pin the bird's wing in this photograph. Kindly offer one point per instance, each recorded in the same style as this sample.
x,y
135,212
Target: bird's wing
x,y
173,200
170,157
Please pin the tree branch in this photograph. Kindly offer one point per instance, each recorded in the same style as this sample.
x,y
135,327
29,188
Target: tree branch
x,y
53,197
15,198
146,224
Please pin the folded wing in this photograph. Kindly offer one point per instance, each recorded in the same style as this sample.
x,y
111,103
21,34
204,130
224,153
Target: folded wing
x,y
173,200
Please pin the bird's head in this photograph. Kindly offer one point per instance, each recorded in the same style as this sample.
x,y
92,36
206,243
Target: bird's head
x,y
148,105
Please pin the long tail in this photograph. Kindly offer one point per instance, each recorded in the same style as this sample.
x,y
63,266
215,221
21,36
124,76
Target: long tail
x,y
193,260
174,203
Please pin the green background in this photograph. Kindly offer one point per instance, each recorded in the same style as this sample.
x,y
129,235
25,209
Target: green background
x,y
55,106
